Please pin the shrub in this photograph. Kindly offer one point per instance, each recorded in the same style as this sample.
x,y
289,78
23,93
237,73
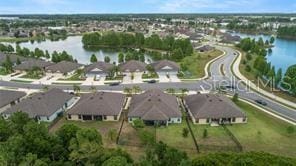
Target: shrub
x,y
138,123
112,134
248,68
185,132
290,130
205,133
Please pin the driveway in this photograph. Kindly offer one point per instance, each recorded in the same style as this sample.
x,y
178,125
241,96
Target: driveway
x,y
127,78
137,77
163,77
90,81
174,77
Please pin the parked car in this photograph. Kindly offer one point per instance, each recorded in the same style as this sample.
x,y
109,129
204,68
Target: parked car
x,y
114,83
151,81
261,102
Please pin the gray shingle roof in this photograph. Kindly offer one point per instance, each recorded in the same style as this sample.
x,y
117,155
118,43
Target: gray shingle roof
x,y
212,106
13,58
7,96
42,104
63,67
161,65
99,67
31,63
99,103
154,105
133,66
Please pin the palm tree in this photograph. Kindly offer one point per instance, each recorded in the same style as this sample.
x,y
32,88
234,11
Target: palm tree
x,y
183,90
93,89
76,88
128,91
137,89
171,90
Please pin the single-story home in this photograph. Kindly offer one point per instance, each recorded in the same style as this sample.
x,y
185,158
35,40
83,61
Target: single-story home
x,y
31,63
103,106
132,66
98,68
13,58
44,106
155,107
9,98
228,38
63,67
166,67
205,48
213,108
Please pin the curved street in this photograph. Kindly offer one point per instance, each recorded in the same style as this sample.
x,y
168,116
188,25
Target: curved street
x,y
220,75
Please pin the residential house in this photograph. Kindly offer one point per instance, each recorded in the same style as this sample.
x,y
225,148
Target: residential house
x,y
98,68
63,67
103,106
166,67
31,63
9,98
13,58
132,66
212,108
155,107
44,106
205,48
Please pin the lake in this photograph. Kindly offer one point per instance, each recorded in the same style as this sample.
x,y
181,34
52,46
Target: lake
x,y
283,53
74,46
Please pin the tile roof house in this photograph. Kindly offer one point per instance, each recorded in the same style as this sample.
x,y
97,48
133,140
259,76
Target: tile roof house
x,y
98,68
155,107
31,63
133,66
44,106
166,66
211,108
104,106
64,67
9,98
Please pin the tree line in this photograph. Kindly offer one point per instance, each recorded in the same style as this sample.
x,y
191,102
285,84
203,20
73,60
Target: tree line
x,y
287,32
178,48
24,141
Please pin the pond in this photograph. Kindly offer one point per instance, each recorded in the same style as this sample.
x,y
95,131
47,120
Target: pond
x,y
283,53
74,46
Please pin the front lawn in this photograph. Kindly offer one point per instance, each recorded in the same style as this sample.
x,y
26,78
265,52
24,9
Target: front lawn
x,y
3,71
118,77
74,77
150,75
264,132
196,63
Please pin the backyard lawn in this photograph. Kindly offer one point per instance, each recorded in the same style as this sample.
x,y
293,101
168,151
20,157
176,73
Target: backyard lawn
x,y
265,133
103,127
196,63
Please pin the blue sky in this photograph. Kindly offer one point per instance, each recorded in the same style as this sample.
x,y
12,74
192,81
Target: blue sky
x,y
145,6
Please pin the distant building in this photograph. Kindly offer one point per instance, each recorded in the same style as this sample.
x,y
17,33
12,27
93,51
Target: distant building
x,y
31,63
166,67
44,106
13,58
155,107
9,98
132,66
98,68
102,106
210,108
205,48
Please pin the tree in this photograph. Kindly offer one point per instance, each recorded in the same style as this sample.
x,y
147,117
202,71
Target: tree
x,y
136,89
76,88
185,132
235,97
107,59
7,64
289,80
115,161
142,58
93,58
120,57
138,123
66,133
271,40
171,90
18,61
183,91
278,76
128,91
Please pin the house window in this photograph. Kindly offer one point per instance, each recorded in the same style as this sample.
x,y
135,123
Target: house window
x,y
208,120
244,119
115,117
69,116
233,119
105,117
47,118
197,121
79,116
179,119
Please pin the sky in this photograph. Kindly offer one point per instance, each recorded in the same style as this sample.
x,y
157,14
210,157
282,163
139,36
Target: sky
x,y
145,6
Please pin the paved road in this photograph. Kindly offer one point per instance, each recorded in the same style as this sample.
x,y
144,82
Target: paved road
x,y
211,84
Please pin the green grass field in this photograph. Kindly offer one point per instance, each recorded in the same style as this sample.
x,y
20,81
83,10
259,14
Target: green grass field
x,y
264,133
197,62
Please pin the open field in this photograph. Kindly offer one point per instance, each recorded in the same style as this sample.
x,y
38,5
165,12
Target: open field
x,y
196,63
264,133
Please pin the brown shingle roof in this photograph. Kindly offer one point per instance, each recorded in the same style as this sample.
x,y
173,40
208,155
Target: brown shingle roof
x,y
154,105
159,65
30,64
212,106
102,66
7,96
63,67
42,104
133,66
100,103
